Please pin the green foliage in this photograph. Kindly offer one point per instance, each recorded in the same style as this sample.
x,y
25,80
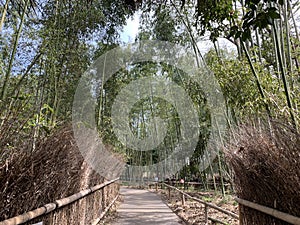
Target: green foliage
x,y
54,49
42,119
59,42
237,83
143,112
212,16
259,15
239,88
164,28
161,22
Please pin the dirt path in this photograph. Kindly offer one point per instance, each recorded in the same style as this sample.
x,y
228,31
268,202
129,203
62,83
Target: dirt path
x,y
141,207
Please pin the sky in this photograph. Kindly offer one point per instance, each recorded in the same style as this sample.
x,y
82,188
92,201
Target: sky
x,y
131,29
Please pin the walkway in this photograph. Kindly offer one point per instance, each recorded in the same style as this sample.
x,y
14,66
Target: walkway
x,y
141,207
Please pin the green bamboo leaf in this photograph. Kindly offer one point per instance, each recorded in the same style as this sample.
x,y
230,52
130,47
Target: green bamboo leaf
x,y
272,13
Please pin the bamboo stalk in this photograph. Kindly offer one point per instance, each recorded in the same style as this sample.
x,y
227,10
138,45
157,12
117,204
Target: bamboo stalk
x,y
259,86
280,34
275,52
4,11
100,115
258,45
294,21
12,57
288,39
273,212
284,79
189,29
219,162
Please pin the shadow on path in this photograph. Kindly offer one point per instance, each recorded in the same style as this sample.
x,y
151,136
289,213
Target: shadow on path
x,y
141,207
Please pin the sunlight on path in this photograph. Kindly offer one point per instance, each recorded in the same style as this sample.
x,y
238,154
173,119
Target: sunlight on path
x,y
144,207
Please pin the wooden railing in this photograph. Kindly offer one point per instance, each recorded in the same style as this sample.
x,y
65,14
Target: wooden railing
x,y
266,210
206,204
270,211
95,199
197,185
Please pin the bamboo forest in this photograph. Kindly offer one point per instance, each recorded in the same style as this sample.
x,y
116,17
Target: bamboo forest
x,y
196,101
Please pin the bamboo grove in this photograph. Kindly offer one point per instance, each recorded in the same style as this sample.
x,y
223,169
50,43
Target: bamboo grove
x,y
47,45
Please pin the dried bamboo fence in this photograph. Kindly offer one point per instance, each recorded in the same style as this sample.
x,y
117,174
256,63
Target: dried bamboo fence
x,y
264,158
269,211
86,207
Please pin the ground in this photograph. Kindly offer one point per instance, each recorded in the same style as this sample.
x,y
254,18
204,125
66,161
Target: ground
x,y
193,212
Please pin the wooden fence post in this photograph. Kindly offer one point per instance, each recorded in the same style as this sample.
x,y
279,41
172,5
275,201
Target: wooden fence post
x,y
103,199
240,215
183,199
206,214
169,192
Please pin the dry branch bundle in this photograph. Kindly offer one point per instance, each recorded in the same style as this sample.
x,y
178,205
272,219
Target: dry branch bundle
x,y
266,164
55,170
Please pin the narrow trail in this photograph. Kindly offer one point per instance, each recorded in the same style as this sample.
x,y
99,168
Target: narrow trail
x,y
141,207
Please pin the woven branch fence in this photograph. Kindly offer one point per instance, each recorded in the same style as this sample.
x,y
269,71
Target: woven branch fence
x,y
267,211
265,160
85,207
